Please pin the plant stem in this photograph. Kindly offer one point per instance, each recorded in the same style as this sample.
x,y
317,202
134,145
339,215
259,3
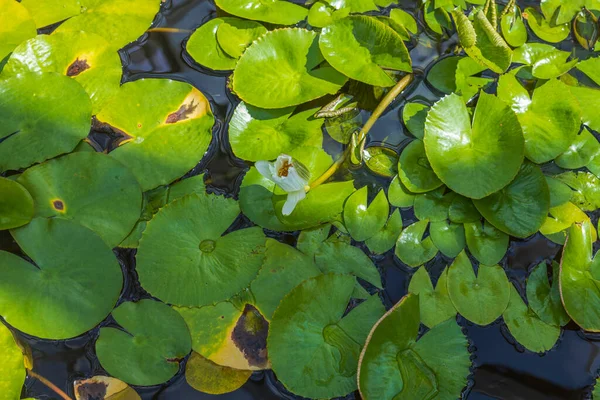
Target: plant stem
x,y
362,135
51,385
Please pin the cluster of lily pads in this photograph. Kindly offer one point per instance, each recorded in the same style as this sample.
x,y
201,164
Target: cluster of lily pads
x,y
510,150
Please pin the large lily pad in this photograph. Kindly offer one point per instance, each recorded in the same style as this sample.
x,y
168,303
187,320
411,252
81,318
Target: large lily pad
x,y
148,348
479,159
435,304
16,26
281,69
411,248
29,132
414,169
364,221
110,205
579,278
74,284
208,377
203,266
550,120
86,57
361,47
258,134
165,128
273,11
520,208
480,299
486,243
16,204
313,347
546,61
12,367
543,298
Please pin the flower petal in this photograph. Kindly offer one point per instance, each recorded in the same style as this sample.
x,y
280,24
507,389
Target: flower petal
x,y
264,168
293,198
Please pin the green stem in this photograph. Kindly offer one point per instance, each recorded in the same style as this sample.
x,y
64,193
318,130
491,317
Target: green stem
x,y
51,385
362,135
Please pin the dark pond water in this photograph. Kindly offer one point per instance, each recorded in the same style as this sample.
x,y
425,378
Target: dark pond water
x,y
502,369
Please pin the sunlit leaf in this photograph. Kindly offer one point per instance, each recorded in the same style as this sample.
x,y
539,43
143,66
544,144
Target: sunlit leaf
x,y
435,304
386,238
411,248
16,204
208,377
12,367
414,169
364,221
273,11
487,244
16,26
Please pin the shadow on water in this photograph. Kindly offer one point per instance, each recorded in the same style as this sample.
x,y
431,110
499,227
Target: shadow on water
x,y
503,369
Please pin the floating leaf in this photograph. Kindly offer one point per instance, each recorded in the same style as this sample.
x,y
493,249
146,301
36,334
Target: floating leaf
x,y
560,219
399,195
280,69
563,12
146,351
73,286
16,26
208,377
481,299
273,11
258,134
414,116
474,160
442,74
433,205
435,304
322,14
437,19
355,6
543,298
411,248
86,57
103,388
463,210
309,330
29,133
457,74
546,61
529,330
361,47
206,50
204,267
109,205
448,237
414,169
586,189
560,193
586,29
236,35
16,204
590,68
487,244
310,240
52,11
513,28
545,29
581,152
381,161
12,368
405,20
364,222
165,128
386,238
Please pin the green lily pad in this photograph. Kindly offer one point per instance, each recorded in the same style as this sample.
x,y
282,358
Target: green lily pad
x,y
437,19
463,210
16,204
560,193
52,11
586,189
457,75
405,19
272,11
442,74
355,6
525,326
399,195
513,28
588,100
208,377
12,366
581,152
579,283
386,238
486,243
479,159
31,134
113,389
560,219
545,29
564,12
361,47
195,254
546,61
110,205
448,237
321,14
435,304
310,240
434,205
236,35
73,286
590,68
544,298
364,221
520,208
165,126
414,116
148,348
258,134
268,76
481,299
16,27
411,248
206,50
86,57
414,169
313,347
381,161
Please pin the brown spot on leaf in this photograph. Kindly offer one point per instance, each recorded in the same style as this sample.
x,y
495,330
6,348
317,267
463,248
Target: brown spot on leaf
x,y
58,205
77,67
184,112
116,137
91,390
250,336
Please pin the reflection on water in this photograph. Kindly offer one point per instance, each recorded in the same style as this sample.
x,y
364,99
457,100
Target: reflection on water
x,y
503,369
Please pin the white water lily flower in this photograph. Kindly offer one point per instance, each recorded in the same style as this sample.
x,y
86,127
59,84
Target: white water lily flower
x,y
288,174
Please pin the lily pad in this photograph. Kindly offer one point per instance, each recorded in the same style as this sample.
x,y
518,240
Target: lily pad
x,y
586,189
579,283
321,14
520,208
206,50
546,61
560,219
204,267
363,221
86,57
405,19
208,377
309,330
381,161
12,366
108,388
278,12
414,116
544,298
146,351
565,12
386,238
545,29
590,68
165,128
110,205
281,69
258,134
529,330
481,299
486,243
411,248
479,159
434,205
582,151
463,210
414,169
513,28
16,204
399,195
16,27
448,237
560,193
73,286
236,35
31,134
587,99
361,47
435,304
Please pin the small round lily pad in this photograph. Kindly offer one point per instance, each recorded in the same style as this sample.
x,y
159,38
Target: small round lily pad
x,y
435,304
448,237
364,221
486,243
414,169
205,49
148,348
273,11
16,204
411,248
414,116
208,377
399,195
545,29
386,238
237,34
